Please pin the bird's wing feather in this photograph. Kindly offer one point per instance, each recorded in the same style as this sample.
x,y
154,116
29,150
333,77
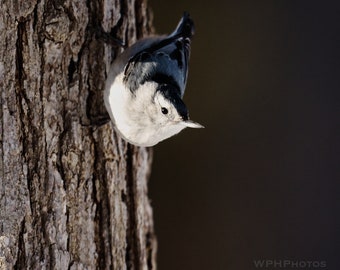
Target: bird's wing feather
x,y
167,56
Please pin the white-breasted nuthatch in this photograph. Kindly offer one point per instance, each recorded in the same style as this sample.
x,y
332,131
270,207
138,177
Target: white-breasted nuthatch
x,y
145,87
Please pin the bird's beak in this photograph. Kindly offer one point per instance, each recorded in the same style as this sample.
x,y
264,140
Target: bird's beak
x,y
192,124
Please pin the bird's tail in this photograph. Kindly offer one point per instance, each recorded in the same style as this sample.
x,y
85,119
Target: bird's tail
x,y
185,27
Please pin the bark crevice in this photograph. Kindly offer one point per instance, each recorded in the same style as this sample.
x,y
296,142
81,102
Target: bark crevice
x,y
132,253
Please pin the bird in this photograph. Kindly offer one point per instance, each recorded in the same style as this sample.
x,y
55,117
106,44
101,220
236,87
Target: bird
x,y
145,86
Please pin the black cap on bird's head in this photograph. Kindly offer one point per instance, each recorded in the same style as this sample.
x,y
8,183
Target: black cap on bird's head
x,y
171,93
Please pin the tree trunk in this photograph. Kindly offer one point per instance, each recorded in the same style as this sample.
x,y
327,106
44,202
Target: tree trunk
x,y
73,195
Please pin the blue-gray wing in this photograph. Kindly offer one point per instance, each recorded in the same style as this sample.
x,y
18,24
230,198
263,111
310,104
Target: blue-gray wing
x,y
165,60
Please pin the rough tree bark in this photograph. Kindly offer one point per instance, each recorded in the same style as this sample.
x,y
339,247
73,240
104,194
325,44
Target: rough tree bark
x,y
73,195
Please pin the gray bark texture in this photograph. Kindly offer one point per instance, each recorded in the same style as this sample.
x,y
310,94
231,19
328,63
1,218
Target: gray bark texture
x,y
73,195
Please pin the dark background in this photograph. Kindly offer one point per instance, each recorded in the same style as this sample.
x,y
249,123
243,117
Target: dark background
x,y
261,181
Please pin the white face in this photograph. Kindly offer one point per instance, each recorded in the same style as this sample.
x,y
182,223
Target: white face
x,y
149,117
150,108
166,112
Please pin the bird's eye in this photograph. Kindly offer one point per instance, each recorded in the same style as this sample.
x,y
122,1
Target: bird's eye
x,y
164,110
